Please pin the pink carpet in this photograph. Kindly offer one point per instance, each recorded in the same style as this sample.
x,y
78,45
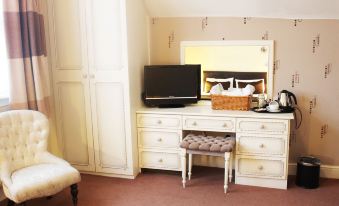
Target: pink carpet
x,y
156,188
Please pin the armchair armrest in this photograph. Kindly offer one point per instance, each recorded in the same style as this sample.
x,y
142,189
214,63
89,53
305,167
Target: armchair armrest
x,y
5,173
47,157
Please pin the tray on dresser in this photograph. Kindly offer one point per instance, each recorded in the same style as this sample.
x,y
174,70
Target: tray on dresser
x,y
264,110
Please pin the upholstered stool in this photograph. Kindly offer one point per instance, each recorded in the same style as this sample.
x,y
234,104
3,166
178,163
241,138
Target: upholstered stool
x,y
207,145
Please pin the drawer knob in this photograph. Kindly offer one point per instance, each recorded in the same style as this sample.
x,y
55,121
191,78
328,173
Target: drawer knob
x,y
159,140
160,160
159,121
262,146
195,124
260,167
225,125
262,126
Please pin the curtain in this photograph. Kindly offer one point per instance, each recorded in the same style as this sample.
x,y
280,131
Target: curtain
x,y
25,36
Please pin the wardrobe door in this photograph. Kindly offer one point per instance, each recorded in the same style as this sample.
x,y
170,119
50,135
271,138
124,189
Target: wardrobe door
x,y
70,82
108,84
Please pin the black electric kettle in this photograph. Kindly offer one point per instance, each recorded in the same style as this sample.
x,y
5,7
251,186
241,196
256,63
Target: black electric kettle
x,y
286,100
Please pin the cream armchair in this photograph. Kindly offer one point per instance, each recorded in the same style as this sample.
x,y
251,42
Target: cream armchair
x,y
27,170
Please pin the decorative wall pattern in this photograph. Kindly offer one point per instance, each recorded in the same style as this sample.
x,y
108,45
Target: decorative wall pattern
x,y
296,21
306,63
170,39
204,23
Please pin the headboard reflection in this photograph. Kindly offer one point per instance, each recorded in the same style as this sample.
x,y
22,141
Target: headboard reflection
x,y
260,80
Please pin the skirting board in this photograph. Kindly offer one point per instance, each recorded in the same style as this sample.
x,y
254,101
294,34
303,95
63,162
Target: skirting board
x,y
326,171
110,175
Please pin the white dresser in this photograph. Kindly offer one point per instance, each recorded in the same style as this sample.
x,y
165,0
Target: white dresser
x,y
262,152
262,140
159,136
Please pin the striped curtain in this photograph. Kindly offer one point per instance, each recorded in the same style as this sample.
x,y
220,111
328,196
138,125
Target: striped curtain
x,y
25,35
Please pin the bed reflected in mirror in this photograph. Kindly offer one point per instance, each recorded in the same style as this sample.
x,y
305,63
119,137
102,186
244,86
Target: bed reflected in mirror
x,y
233,64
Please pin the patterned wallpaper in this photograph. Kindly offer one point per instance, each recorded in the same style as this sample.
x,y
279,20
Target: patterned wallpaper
x,y
306,63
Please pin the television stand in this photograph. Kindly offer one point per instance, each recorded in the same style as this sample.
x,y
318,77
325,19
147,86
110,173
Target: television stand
x,y
171,105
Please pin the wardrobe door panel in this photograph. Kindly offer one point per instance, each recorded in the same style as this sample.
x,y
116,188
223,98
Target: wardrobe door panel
x,y
73,123
71,82
110,140
105,34
67,29
108,85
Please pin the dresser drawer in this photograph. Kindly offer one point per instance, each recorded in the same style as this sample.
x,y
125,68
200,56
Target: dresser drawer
x,y
268,126
261,145
159,121
206,123
157,138
260,167
159,160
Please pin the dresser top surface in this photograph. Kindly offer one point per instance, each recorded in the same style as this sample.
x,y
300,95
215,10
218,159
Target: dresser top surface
x,y
208,111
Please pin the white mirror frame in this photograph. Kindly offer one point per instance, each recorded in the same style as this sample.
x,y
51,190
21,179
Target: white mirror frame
x,y
268,43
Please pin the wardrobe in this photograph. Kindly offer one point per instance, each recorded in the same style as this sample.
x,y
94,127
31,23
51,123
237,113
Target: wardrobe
x,y
90,72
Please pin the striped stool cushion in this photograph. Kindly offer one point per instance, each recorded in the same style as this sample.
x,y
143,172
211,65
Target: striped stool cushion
x,y
209,143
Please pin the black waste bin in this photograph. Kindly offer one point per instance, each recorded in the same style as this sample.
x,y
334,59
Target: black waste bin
x,y
308,172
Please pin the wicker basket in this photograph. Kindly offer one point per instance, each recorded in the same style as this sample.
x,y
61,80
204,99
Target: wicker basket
x,y
231,102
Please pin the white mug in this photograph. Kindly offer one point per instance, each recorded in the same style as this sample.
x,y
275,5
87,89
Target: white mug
x,y
273,106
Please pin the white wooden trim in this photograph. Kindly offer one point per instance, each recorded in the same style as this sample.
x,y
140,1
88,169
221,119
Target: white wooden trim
x,y
228,43
206,110
326,171
111,175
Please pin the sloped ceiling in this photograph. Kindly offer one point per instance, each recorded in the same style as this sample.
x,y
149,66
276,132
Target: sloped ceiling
x,y
289,9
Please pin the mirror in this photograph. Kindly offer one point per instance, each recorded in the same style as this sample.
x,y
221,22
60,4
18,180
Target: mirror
x,y
232,63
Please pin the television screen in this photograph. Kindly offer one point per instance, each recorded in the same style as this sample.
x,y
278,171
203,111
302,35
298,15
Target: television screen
x,y
171,84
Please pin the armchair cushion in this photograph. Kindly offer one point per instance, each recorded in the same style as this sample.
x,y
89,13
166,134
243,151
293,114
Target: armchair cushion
x,y
40,180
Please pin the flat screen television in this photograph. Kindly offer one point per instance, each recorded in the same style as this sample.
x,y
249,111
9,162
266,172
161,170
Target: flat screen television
x,y
171,85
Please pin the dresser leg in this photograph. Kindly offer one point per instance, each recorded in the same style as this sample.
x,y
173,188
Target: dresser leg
x,y
230,167
189,166
183,166
227,157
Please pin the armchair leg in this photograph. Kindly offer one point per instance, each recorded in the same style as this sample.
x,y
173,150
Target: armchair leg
x,y
10,203
74,192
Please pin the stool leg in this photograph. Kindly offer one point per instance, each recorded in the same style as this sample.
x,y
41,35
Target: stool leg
x,y
230,168
183,166
189,166
227,157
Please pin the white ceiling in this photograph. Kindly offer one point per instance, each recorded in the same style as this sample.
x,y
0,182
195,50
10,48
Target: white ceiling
x,y
290,9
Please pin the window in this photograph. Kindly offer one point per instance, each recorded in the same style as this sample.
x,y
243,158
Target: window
x,y
4,76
